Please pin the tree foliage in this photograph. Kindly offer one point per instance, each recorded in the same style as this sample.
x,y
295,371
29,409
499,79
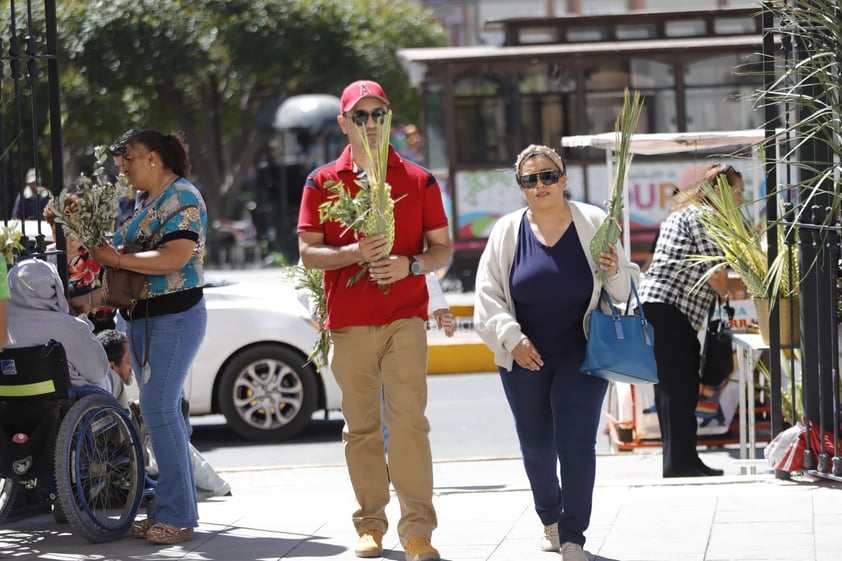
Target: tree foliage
x,y
207,67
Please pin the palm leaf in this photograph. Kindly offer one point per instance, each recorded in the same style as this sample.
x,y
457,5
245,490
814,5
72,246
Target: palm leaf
x,y
742,242
626,125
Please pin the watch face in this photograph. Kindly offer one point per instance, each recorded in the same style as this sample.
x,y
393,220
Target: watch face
x,y
415,266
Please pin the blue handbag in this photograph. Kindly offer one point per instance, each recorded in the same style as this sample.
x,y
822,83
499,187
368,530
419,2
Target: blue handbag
x,y
621,348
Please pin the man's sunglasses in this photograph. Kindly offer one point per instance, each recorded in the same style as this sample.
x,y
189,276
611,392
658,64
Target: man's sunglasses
x,y
530,181
360,117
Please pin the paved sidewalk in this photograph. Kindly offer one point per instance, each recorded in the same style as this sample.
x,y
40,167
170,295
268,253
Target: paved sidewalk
x,y
485,513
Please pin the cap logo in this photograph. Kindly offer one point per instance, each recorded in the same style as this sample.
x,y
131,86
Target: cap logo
x,y
364,91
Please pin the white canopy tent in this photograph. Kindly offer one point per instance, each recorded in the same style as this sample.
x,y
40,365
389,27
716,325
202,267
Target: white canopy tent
x,y
653,144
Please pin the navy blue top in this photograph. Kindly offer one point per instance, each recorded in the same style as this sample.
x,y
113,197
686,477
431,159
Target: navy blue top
x,y
551,288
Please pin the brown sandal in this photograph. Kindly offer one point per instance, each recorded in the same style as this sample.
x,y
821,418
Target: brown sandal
x,y
140,528
167,534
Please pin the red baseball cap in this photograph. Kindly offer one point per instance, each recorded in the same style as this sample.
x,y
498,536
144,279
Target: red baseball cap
x,y
355,91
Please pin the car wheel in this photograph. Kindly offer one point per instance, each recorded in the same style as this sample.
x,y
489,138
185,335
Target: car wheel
x,y
267,393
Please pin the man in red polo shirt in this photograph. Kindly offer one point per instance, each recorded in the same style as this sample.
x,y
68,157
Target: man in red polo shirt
x,y
379,336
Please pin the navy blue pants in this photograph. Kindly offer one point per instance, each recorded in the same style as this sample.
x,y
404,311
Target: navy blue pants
x,y
556,413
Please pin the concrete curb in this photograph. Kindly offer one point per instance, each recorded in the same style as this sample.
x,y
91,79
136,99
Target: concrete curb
x,y
465,351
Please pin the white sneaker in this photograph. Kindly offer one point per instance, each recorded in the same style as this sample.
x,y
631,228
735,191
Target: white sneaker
x,y
549,541
572,552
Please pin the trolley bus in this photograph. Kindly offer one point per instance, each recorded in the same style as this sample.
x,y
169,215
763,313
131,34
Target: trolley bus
x,y
560,77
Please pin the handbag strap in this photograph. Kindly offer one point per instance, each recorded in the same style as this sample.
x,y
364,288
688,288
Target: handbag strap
x,y
726,307
161,223
615,314
145,358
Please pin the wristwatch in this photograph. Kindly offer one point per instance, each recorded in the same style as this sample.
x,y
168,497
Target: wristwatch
x,y
414,266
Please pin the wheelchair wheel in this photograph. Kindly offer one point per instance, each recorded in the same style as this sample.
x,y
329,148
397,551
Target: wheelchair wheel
x,y
99,468
58,513
8,492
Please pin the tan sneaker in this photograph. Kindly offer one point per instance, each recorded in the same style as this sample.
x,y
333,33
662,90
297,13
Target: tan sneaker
x,y
549,541
370,544
420,549
572,552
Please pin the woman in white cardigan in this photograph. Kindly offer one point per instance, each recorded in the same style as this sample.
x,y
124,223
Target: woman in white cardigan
x,y
536,285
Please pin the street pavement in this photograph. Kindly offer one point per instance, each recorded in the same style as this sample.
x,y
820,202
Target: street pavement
x,y
303,512
485,513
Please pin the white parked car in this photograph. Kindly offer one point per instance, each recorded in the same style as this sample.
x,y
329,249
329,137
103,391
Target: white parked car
x,y
252,367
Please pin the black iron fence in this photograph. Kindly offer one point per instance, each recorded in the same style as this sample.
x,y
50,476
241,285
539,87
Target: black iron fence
x,y
31,167
802,172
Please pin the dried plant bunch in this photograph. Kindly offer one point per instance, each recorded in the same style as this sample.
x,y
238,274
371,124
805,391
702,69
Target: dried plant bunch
x,y
371,210
626,125
90,214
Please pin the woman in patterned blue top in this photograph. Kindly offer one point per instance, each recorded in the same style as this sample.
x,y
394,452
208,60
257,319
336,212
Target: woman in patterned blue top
x,y
677,311
166,328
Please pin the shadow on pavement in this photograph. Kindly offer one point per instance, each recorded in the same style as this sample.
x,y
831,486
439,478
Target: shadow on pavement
x,y
206,437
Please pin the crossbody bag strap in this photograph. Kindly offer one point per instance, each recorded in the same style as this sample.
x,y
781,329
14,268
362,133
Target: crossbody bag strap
x,y
145,356
164,221
615,314
725,310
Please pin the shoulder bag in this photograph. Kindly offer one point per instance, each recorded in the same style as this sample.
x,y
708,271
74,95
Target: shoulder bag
x,y
621,347
718,353
122,288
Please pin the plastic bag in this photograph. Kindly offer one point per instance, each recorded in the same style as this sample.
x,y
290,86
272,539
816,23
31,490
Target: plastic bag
x,y
786,451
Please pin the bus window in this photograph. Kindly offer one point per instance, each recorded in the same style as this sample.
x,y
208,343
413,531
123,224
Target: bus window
x,y
543,120
607,76
434,143
546,91
717,94
718,108
657,81
480,122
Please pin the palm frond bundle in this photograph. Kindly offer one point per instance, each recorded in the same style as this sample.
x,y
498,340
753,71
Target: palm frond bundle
x,y
742,242
626,125
371,210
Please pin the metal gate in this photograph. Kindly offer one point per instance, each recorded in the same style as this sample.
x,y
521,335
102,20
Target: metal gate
x,y
803,172
31,167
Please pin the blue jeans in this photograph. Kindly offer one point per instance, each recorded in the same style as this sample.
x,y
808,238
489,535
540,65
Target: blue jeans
x,y
174,342
556,416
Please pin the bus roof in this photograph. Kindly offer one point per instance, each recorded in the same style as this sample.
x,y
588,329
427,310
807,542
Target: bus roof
x,y
419,58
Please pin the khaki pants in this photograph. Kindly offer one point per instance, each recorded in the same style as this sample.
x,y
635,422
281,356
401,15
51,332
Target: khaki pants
x,y
391,358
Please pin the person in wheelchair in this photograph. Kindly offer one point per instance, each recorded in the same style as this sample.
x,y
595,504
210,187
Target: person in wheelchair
x,y
38,311
120,374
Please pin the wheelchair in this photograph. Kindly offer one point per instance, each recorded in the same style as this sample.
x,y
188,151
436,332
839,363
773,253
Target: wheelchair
x,y
77,446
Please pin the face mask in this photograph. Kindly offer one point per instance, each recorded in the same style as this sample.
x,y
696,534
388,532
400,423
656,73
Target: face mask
x,y
27,192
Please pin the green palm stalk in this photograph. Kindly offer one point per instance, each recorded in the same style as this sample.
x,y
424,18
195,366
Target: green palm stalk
x,y
381,219
626,125
372,210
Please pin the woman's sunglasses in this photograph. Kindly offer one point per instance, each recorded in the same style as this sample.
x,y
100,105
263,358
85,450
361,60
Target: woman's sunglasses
x,y
360,117
530,181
